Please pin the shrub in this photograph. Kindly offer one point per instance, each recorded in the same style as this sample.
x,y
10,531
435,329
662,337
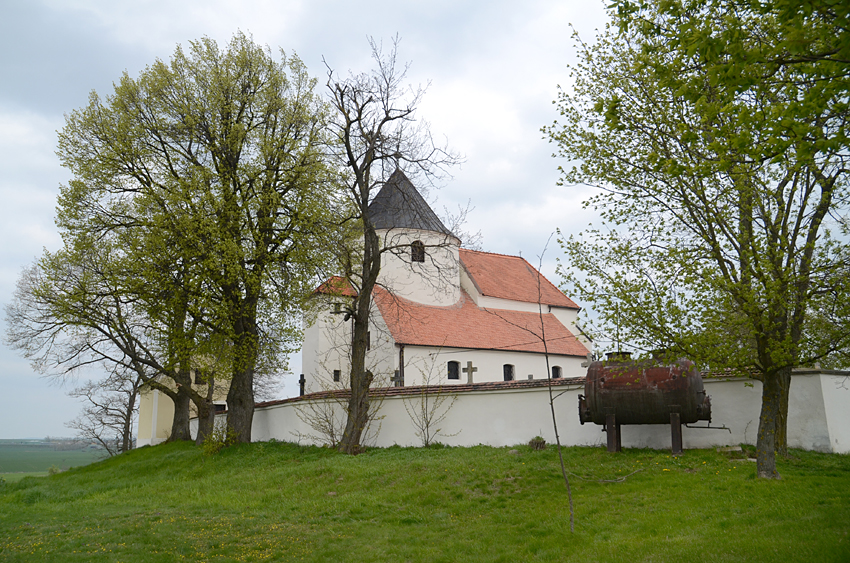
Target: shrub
x,y
220,437
537,443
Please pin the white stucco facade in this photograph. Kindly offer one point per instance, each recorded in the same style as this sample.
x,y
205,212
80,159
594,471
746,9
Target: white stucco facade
x,y
433,281
818,417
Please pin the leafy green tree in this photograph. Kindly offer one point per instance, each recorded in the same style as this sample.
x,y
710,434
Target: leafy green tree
x,y
78,307
218,159
721,158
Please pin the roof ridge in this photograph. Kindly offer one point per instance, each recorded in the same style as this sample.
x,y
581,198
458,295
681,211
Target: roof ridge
x,y
493,253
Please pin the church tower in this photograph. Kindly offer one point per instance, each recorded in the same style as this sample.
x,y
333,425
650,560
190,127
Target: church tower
x,y
421,261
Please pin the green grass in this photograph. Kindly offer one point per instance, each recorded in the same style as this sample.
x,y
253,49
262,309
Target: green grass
x,y
273,501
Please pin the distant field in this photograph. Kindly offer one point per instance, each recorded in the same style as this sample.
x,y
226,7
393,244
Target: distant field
x,y
15,477
29,456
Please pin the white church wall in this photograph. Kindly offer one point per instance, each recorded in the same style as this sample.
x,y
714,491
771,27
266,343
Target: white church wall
x,y
836,398
569,318
432,282
420,360
514,416
326,348
806,410
156,412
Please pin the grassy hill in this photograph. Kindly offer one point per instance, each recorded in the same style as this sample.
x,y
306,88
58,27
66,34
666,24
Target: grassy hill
x,y
282,502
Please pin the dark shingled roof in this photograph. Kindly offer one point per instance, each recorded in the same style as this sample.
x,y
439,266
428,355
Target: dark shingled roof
x,y
399,206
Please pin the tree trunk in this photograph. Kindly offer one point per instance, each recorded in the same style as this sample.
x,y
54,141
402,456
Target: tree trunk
x,y
782,414
358,416
127,430
206,413
180,422
361,379
240,405
240,397
766,441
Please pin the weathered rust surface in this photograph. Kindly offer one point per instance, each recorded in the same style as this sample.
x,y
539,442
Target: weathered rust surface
x,y
643,392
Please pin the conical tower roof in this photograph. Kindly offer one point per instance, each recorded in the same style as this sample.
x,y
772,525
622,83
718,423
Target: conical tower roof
x,y
400,206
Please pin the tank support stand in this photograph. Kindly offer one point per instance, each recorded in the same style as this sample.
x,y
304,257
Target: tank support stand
x,y
612,428
676,432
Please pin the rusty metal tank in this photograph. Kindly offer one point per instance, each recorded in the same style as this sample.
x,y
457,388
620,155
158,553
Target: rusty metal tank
x,y
643,392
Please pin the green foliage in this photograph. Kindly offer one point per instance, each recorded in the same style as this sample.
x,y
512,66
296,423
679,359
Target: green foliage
x,y
267,501
193,224
222,436
716,132
722,226
53,470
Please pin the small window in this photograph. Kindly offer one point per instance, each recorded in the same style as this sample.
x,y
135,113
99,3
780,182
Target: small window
x,y
201,377
337,307
337,373
454,370
417,251
368,340
219,408
556,372
508,370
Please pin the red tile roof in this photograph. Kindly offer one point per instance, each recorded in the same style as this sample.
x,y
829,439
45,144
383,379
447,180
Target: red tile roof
x,y
511,277
337,286
465,325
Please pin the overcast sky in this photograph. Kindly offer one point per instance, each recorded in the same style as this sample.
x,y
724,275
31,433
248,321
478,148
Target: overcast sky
x,y
493,67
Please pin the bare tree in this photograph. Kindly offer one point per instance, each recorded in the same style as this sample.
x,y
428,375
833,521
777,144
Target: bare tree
x,y
429,408
110,408
374,119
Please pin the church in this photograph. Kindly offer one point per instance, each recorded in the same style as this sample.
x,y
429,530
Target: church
x,y
463,337
442,314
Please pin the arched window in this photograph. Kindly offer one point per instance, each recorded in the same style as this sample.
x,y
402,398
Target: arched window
x,y
508,370
417,251
556,372
454,370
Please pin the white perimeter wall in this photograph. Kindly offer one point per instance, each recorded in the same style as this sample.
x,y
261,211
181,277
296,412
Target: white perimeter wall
x,y
818,418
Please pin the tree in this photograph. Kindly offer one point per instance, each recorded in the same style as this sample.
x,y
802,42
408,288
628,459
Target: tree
x,y
109,411
77,308
721,161
374,121
218,158
429,407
